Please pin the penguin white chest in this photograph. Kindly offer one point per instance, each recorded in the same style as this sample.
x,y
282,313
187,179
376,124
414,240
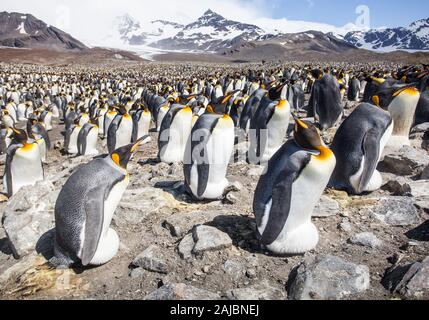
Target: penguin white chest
x,y
308,188
124,132
91,142
161,114
180,130
72,149
144,125
26,167
277,130
219,150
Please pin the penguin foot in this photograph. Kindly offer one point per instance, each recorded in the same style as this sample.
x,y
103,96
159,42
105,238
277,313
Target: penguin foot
x,y
298,241
375,183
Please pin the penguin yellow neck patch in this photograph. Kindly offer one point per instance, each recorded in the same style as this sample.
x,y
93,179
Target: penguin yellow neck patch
x,y
325,154
409,91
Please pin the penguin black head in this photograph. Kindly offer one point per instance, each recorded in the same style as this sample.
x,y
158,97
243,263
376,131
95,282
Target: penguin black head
x,y
124,154
20,136
384,97
307,136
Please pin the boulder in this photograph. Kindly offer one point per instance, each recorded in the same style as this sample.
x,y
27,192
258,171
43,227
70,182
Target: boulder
x,y
208,238
28,216
420,191
405,162
395,211
328,277
411,281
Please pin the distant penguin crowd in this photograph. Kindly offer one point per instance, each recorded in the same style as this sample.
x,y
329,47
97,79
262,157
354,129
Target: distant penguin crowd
x,y
197,116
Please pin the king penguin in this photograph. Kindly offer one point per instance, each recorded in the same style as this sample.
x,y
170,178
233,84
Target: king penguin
x,y
87,140
120,131
401,102
38,133
358,146
325,102
207,156
84,210
141,123
23,164
175,131
268,127
71,137
286,195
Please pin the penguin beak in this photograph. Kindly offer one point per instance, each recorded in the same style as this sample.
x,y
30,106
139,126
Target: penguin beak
x,y
299,123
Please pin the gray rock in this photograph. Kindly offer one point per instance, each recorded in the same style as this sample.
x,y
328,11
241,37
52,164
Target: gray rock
x,y
398,187
230,199
421,128
326,208
185,247
181,291
395,211
181,224
410,281
407,161
151,260
28,216
345,226
138,204
160,170
208,238
234,269
260,291
137,273
328,277
425,174
420,192
366,239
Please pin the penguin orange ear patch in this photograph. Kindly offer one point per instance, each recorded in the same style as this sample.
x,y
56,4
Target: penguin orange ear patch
x,y
376,100
115,158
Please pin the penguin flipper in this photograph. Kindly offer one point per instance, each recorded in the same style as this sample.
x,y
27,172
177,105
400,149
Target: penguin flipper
x,y
281,200
371,148
94,218
111,135
135,128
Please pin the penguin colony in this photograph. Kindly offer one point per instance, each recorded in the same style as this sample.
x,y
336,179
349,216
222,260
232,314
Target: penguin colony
x,y
200,117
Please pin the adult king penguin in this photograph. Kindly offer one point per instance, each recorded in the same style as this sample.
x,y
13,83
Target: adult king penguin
x,y
358,146
175,131
120,131
268,127
292,186
207,156
85,207
87,140
401,102
23,164
326,102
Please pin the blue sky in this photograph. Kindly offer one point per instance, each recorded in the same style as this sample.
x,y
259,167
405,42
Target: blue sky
x,y
391,13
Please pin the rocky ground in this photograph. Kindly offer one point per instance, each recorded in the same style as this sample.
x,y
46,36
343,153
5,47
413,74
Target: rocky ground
x,y
373,246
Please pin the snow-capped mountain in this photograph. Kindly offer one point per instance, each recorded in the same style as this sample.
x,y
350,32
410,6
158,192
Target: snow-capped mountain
x,y
25,31
211,32
132,32
414,37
